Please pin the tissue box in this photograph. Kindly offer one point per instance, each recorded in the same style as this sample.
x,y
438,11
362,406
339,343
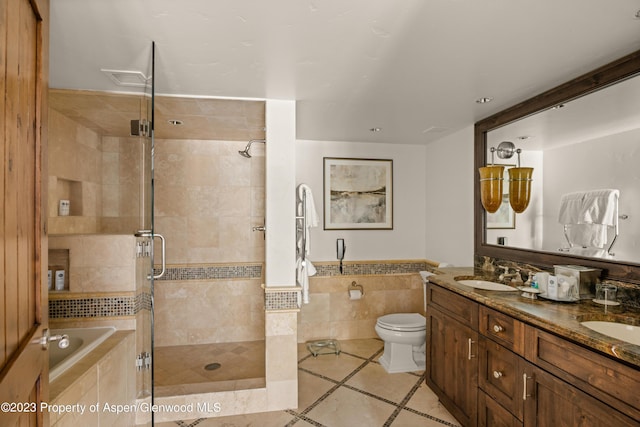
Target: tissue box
x,y
587,278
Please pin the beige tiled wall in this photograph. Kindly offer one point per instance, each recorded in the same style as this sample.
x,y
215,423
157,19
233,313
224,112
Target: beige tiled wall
x,y
75,173
99,263
101,177
200,312
331,314
207,199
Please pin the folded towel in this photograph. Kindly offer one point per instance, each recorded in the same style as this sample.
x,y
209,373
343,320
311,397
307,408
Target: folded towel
x,y
307,206
600,207
305,194
571,211
304,269
587,235
590,252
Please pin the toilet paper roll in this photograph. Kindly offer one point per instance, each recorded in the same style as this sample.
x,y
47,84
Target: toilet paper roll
x,y
355,294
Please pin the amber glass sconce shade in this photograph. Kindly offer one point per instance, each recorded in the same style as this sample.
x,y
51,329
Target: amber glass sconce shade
x,y
520,188
491,187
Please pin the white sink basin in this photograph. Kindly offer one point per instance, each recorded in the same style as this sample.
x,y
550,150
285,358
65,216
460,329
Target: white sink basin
x,y
620,331
488,286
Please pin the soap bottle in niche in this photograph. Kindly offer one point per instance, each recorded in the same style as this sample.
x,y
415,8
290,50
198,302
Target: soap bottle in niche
x,y
59,281
64,208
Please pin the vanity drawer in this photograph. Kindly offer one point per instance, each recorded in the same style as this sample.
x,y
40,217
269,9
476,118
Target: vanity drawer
x,y
502,328
457,306
602,377
491,414
500,375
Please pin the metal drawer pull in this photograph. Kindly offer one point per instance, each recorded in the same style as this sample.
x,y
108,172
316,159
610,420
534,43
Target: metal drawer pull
x,y
471,355
497,328
524,387
497,374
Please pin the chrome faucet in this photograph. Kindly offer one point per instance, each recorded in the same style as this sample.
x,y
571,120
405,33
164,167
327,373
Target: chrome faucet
x,y
505,276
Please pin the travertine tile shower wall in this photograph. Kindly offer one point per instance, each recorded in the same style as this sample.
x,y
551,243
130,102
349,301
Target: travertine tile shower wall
x,y
75,173
207,199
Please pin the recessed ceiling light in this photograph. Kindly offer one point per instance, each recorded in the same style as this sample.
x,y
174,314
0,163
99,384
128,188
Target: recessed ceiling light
x,y
483,100
375,129
175,122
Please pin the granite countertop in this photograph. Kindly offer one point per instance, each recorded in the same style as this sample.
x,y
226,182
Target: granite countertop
x,y
559,318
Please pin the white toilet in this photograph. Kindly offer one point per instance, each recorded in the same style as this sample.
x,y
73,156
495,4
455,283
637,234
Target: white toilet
x,y
404,336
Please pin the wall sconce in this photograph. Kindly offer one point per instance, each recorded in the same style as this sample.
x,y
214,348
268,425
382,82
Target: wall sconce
x,y
491,181
491,186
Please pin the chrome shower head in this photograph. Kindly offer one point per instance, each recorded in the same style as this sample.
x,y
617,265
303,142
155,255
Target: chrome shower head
x,y
245,152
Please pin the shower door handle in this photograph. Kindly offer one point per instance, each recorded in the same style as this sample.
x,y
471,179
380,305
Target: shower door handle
x,y
148,233
164,257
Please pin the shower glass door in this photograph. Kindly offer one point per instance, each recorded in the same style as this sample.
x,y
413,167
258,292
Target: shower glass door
x,y
145,242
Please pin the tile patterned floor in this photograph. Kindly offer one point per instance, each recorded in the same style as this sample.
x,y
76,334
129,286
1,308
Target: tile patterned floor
x,y
348,390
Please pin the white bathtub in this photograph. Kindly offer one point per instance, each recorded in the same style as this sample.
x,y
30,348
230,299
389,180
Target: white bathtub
x,y
81,342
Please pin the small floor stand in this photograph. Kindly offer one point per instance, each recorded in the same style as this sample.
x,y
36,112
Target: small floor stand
x,y
324,347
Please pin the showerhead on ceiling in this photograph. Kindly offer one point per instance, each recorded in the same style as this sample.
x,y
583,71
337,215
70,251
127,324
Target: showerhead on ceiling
x,y
245,152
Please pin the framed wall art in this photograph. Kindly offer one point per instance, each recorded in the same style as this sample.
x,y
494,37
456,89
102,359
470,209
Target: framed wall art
x,y
358,194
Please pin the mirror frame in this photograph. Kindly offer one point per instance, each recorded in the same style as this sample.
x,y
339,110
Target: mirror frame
x,y
616,71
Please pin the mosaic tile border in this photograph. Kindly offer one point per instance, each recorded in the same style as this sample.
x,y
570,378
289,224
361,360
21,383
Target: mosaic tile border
x,y
204,272
324,269
281,300
93,307
370,268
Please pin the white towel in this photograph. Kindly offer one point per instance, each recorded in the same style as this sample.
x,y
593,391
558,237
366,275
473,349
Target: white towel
x,y
311,215
587,235
600,207
304,269
589,207
571,208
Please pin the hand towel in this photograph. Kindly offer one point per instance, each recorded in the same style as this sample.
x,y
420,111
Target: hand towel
x,y
600,207
571,208
306,205
304,269
588,235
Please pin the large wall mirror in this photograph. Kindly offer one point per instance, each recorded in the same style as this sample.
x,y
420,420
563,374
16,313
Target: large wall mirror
x,y
581,137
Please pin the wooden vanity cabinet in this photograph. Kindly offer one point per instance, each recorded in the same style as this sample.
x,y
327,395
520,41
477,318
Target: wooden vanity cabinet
x,y
452,364
520,376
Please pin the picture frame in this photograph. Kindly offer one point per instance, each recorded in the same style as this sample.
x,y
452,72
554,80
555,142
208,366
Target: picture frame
x,y
505,216
358,194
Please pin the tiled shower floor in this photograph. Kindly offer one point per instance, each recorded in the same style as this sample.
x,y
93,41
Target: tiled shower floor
x,y
348,390
181,369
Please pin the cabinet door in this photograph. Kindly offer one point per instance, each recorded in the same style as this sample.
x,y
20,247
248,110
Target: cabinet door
x,y
550,402
491,414
452,368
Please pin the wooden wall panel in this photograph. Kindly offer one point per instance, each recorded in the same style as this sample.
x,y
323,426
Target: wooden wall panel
x,y
3,128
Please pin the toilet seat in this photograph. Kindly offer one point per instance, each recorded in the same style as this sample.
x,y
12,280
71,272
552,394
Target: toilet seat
x,y
403,322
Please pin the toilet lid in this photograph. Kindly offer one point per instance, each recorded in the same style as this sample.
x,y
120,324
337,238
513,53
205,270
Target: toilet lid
x,y
403,322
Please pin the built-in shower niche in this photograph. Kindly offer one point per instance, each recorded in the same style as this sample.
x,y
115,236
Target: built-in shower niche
x,y
58,262
70,218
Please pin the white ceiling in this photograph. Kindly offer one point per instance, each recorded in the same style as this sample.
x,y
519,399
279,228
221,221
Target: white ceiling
x,y
411,67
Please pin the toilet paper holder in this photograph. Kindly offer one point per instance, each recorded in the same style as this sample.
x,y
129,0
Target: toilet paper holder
x,y
355,287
